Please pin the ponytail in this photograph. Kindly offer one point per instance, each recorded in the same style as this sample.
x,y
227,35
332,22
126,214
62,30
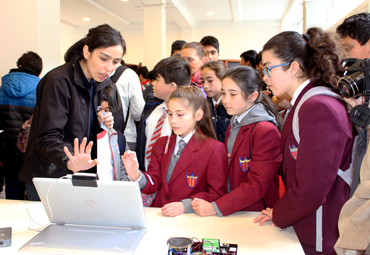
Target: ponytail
x,y
193,98
318,53
249,81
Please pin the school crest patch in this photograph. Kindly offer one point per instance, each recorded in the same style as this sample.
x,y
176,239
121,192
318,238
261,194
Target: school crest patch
x,y
192,180
293,151
244,164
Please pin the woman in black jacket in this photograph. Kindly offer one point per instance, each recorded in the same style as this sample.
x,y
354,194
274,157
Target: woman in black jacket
x,y
67,105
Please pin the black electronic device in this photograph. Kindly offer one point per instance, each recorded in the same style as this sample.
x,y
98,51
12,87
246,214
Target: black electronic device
x,y
5,237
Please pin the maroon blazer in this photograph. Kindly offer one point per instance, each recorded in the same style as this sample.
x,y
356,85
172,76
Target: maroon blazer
x,y
256,185
310,170
200,172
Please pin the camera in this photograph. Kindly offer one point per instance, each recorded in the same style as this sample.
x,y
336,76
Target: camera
x,y
353,82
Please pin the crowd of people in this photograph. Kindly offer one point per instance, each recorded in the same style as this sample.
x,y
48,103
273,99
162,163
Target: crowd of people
x,y
197,136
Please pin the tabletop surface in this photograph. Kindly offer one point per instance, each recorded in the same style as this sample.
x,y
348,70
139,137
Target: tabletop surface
x,y
237,228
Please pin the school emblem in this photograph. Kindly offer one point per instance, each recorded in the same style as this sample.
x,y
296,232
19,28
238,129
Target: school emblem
x,y
293,152
244,164
192,180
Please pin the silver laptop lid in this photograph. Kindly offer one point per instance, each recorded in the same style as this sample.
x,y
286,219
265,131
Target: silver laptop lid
x,y
111,203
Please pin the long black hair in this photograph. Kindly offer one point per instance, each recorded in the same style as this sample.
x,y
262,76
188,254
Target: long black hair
x,y
98,37
249,81
318,53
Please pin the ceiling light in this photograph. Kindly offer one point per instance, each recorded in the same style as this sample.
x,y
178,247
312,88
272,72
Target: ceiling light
x,y
124,0
86,19
209,13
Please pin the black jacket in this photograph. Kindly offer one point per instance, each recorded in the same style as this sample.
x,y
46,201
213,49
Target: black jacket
x,y
17,101
220,120
61,114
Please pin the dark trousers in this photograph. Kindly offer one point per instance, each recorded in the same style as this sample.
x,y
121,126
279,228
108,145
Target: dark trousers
x,y
31,193
14,188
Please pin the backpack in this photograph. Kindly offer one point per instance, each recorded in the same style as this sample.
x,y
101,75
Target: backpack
x,y
345,175
114,78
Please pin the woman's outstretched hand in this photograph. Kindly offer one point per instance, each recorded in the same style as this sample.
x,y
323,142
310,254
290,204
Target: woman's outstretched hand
x,y
81,160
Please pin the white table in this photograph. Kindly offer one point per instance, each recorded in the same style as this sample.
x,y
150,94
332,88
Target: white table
x,y
237,228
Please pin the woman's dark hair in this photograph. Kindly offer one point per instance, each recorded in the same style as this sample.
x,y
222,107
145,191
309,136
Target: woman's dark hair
x,y
249,81
111,95
102,36
193,98
217,66
318,53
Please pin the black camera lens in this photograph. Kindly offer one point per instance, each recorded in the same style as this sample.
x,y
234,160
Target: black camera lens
x,y
352,84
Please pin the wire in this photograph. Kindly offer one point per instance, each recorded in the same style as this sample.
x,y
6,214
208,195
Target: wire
x,y
51,212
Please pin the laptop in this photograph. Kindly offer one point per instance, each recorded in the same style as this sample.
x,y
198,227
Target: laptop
x,y
106,219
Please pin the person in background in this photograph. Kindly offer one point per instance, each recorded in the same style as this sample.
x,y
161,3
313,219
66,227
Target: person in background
x,y
176,47
142,72
130,91
170,74
315,191
186,165
17,102
212,73
67,100
211,46
196,56
253,145
354,236
248,58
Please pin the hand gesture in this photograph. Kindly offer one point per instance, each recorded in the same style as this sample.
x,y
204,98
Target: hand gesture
x,y
202,207
173,209
266,215
106,118
131,165
81,160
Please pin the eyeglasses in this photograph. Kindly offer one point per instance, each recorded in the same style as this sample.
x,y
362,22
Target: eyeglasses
x,y
266,70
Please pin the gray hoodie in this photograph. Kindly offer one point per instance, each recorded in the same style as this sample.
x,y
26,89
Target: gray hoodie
x,y
256,114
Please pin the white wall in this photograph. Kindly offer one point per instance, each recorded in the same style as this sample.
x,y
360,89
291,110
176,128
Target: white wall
x,y
234,38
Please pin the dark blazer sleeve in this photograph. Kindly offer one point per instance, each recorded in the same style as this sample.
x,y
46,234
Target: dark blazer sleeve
x,y
154,173
324,139
265,161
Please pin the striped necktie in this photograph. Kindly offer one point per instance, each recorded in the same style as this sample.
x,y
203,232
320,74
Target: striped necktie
x,y
156,134
182,144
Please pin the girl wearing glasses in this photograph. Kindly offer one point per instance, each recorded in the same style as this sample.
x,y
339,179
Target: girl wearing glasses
x,y
294,64
253,145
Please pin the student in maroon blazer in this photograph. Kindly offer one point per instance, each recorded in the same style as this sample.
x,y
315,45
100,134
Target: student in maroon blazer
x,y
181,174
315,194
253,143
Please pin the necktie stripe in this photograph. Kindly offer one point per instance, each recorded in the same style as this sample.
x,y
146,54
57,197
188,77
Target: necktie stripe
x,y
156,134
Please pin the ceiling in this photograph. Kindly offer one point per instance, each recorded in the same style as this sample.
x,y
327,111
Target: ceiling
x,y
181,13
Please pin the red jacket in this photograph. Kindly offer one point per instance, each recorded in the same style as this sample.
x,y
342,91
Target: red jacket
x,y
251,189
201,171
310,173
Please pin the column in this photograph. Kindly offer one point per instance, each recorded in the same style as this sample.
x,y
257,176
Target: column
x,y
154,32
30,25
314,14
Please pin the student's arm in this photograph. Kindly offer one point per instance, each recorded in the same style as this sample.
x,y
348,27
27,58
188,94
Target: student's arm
x,y
266,160
154,173
323,142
